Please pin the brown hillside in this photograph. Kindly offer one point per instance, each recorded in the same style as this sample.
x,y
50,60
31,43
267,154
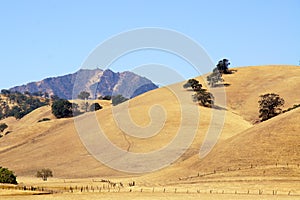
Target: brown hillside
x,y
248,83
55,144
273,141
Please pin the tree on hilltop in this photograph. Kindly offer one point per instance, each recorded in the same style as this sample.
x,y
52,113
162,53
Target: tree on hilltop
x,y
216,76
222,66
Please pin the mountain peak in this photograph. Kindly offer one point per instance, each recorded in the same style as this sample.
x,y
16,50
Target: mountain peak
x,y
96,81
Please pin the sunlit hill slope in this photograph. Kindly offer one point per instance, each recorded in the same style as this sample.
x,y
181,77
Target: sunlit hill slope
x,y
56,144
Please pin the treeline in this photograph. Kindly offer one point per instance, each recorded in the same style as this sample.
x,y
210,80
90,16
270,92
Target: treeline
x,y
16,104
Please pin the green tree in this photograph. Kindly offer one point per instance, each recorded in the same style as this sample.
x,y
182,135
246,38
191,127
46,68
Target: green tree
x,y
204,98
3,126
214,78
84,95
269,105
16,112
192,83
95,107
118,99
62,108
44,174
7,176
222,66
5,92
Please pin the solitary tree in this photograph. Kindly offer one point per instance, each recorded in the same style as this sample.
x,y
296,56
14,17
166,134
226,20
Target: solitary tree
x,y
44,174
269,106
84,95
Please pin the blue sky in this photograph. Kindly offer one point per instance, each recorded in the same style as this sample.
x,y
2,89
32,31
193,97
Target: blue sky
x,y
43,38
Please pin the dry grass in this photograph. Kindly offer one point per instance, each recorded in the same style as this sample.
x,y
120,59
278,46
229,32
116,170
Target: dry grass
x,y
244,158
249,82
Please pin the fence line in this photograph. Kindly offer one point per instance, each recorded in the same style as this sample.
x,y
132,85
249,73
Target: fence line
x,y
175,190
111,187
230,169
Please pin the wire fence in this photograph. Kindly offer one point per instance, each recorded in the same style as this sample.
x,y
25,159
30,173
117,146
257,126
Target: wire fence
x,y
107,186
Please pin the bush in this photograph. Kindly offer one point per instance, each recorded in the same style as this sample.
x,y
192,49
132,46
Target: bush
x,y
44,174
107,97
22,104
7,176
95,107
118,99
62,108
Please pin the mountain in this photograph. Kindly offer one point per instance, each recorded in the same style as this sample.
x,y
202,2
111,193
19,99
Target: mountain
x,y
97,82
56,144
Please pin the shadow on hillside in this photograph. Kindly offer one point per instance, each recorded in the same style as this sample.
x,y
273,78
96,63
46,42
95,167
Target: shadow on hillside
x,y
189,90
219,108
222,85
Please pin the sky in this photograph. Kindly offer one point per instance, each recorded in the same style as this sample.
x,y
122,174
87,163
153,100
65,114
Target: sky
x,y
47,38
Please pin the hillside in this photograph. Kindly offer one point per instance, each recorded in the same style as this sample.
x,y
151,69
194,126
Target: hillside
x,y
249,82
273,141
55,144
96,82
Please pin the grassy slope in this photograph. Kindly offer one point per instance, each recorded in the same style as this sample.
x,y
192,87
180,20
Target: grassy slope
x,y
55,144
273,141
250,82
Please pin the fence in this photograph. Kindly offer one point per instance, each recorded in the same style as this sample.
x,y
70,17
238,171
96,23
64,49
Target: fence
x,y
175,190
106,186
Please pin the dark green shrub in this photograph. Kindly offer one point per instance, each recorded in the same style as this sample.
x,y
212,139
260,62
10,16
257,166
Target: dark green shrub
x,y
7,176
62,108
118,99
95,107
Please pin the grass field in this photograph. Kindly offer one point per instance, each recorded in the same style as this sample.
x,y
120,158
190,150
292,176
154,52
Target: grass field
x,y
249,161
